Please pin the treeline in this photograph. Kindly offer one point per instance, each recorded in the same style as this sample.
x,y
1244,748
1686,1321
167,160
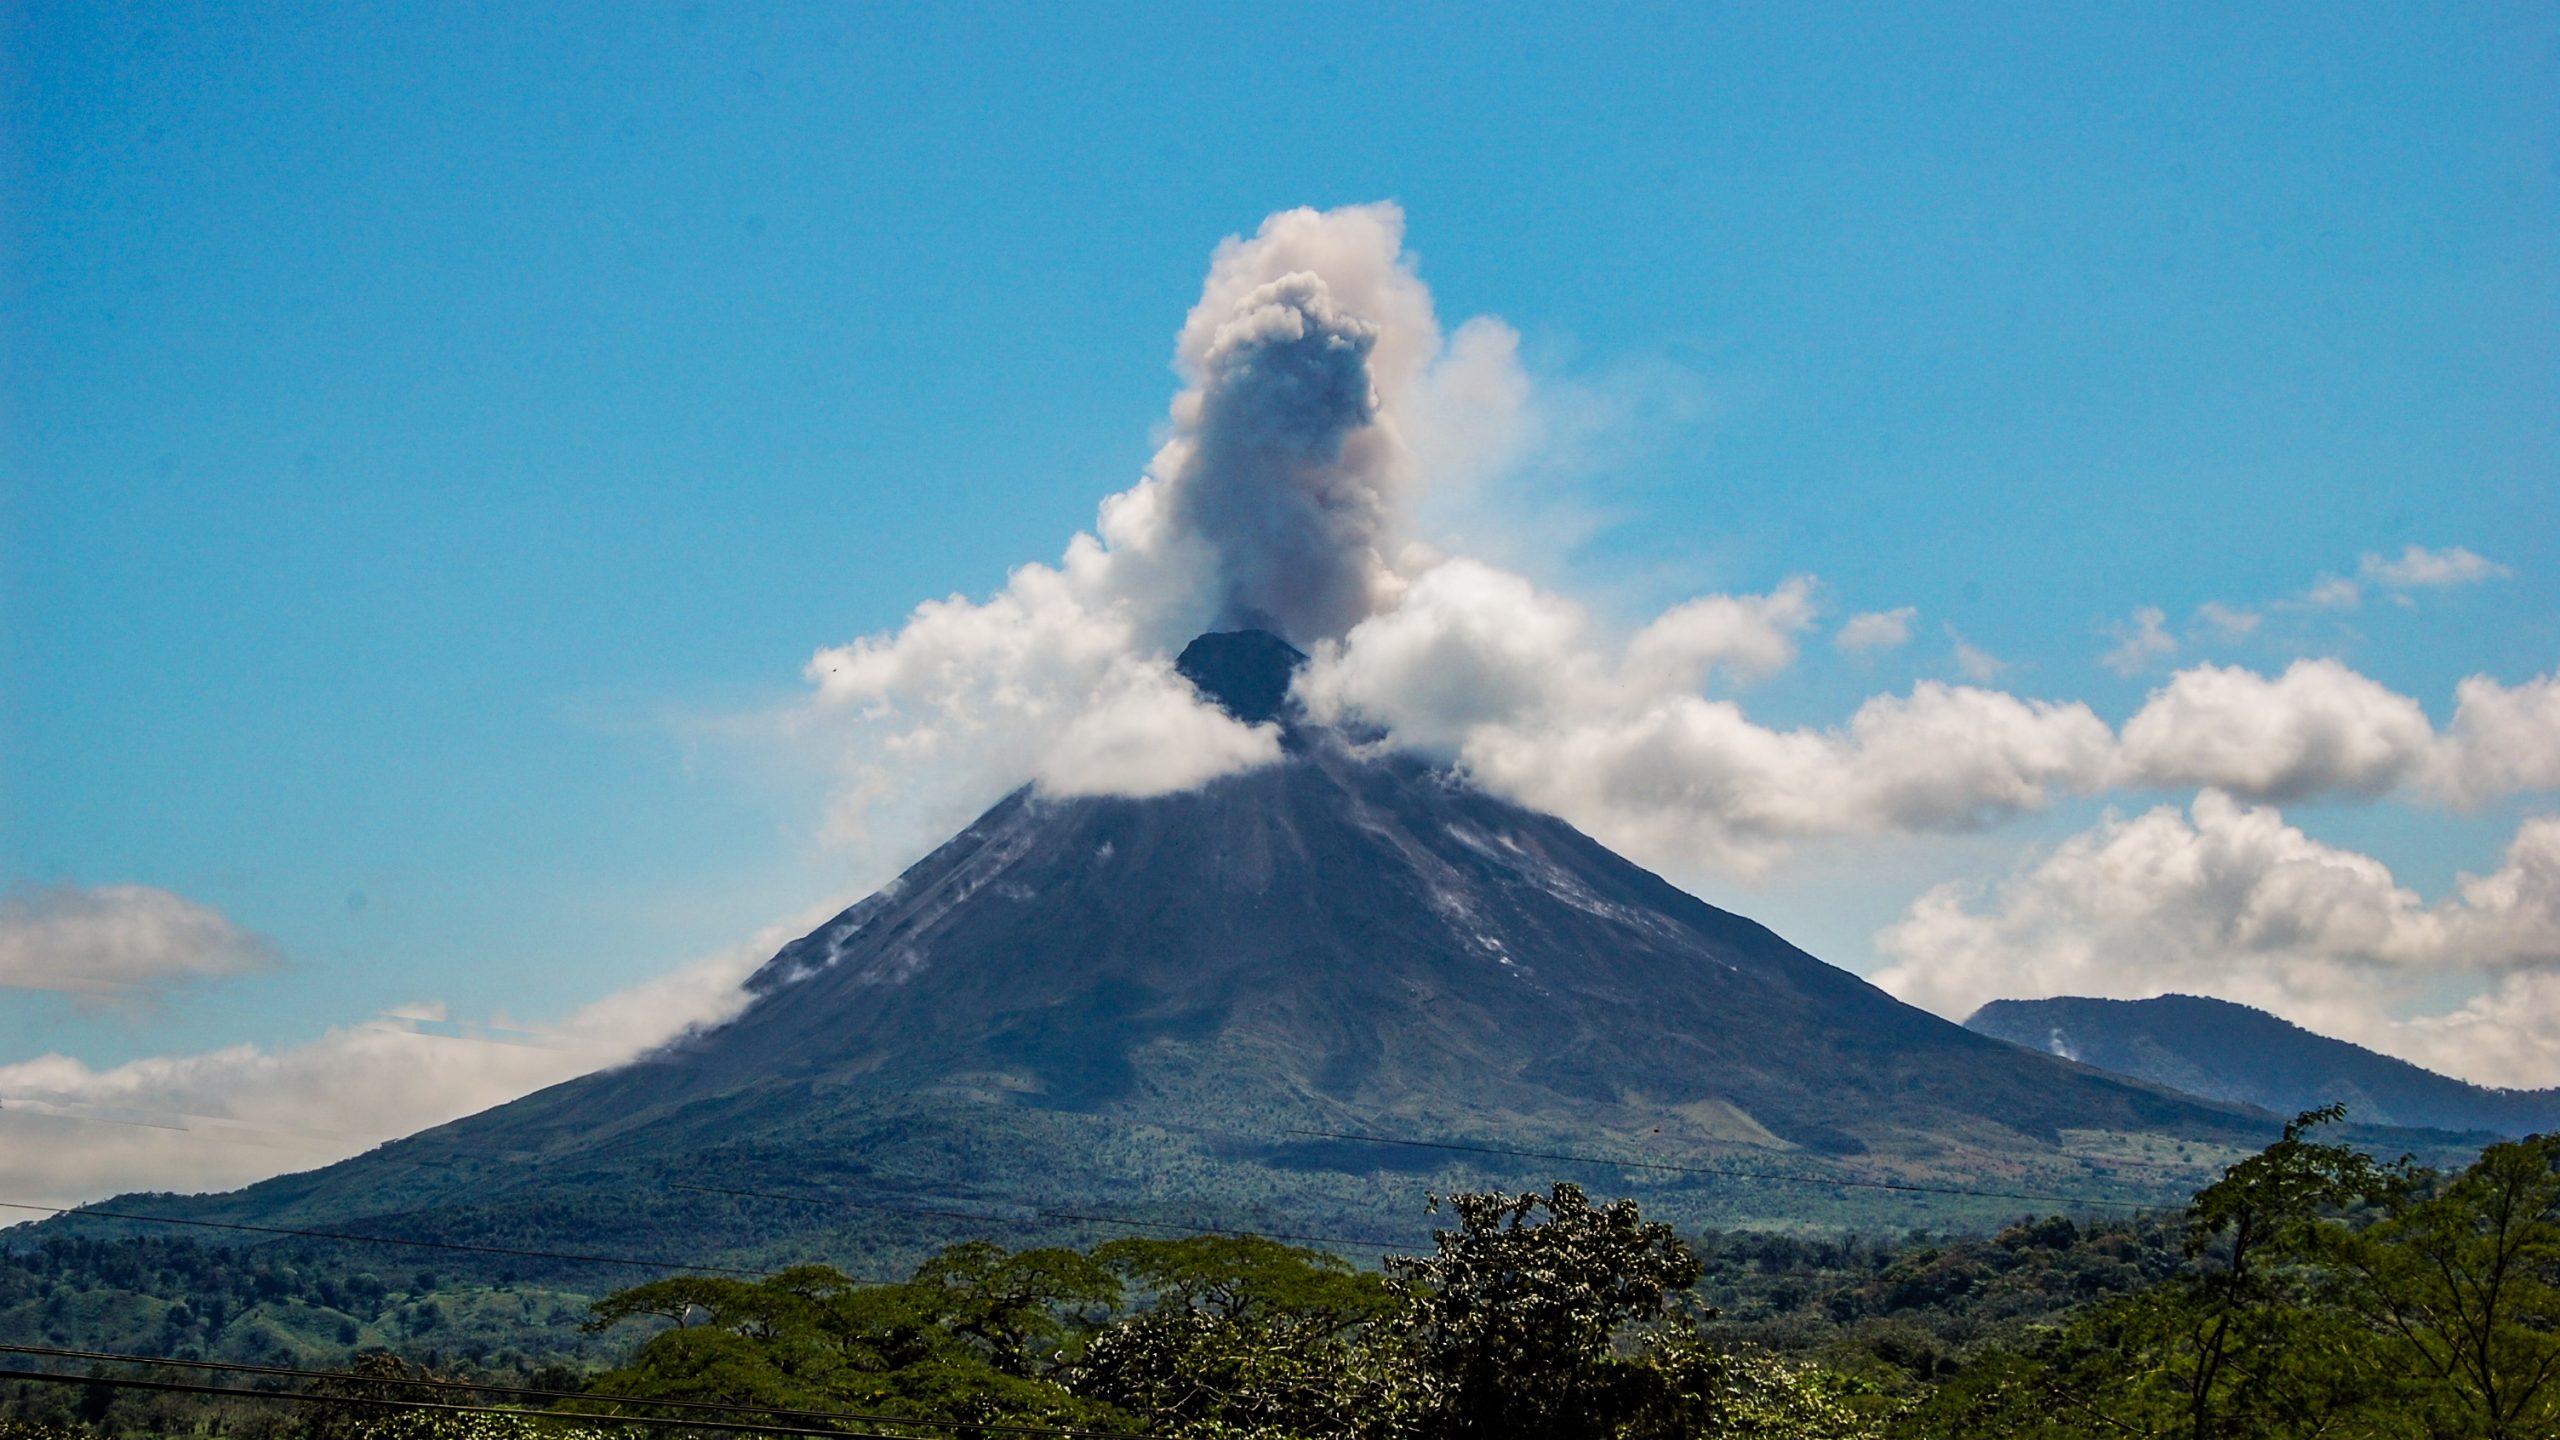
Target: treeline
x,y
2312,1291
1875,1305
290,1302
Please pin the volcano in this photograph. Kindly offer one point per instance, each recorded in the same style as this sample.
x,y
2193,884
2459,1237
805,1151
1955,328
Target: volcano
x,y
1293,997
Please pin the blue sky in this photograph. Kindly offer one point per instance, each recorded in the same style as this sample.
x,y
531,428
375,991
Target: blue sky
x,y
426,429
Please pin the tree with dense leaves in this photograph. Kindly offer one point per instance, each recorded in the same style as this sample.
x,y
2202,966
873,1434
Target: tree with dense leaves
x,y
1518,1321
1246,1335
971,1336
2463,1279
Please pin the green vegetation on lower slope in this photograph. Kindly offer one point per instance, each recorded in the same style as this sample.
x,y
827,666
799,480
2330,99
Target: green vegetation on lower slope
x,y
840,1175
2310,1291
289,1303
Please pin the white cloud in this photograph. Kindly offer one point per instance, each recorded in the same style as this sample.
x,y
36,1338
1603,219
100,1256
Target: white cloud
x,y
1876,630
70,1133
113,943
2319,728
2421,568
1148,734
2503,740
1477,666
2416,568
1467,645
2231,901
1972,661
2227,622
1748,637
2139,642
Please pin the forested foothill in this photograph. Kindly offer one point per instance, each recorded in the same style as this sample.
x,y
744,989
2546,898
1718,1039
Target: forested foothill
x,y
2313,1290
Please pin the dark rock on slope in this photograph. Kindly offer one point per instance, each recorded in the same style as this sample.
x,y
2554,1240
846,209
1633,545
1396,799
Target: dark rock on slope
x,y
2233,1052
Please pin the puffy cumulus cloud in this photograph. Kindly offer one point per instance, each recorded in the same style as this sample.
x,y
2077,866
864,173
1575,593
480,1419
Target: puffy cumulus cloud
x,y
2503,740
1477,666
1745,637
2317,728
1875,630
2420,568
1283,486
1688,780
1954,757
70,1133
1467,646
113,943
1148,734
2321,729
2140,641
2159,901
2510,918
2229,900
1470,644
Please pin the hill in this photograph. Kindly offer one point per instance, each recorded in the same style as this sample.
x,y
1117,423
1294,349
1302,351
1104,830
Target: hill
x,y
2236,1053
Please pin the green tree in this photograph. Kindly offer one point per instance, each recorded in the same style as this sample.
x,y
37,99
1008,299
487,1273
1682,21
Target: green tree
x,y
1017,1307
1245,1335
2464,1279
1519,1322
972,1336
1708,1390
681,1300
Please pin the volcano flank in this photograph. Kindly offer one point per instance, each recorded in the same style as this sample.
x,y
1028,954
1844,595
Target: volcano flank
x,y
1225,1007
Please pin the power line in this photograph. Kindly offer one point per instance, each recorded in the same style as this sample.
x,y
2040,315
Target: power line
x,y
297,1373
1841,1181
626,1261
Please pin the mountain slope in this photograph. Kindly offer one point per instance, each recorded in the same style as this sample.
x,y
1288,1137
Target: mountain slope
x,y
1142,1007
2233,1052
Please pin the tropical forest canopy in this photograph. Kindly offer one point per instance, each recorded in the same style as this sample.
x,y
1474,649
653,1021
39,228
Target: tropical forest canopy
x,y
2312,1291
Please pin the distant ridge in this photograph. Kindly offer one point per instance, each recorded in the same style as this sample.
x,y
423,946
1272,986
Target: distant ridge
x,y
2225,1051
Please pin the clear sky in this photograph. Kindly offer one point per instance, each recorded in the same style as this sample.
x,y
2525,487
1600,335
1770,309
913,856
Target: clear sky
x,y
433,434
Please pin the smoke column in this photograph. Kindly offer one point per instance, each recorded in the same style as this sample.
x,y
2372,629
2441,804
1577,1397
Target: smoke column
x,y
1284,482
1286,463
